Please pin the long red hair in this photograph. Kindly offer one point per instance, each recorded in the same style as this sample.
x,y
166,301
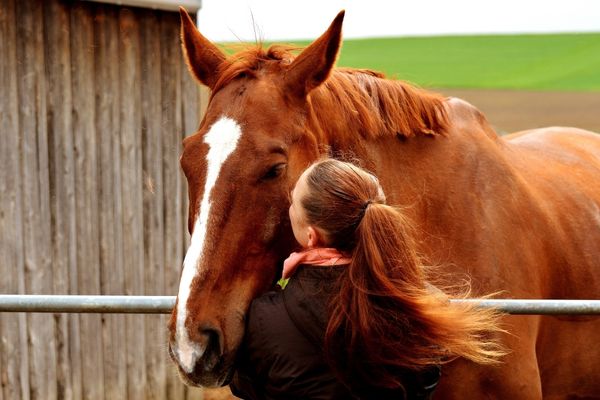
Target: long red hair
x,y
387,317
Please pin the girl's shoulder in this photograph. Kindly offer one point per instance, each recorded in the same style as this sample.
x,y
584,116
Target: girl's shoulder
x,y
270,329
276,359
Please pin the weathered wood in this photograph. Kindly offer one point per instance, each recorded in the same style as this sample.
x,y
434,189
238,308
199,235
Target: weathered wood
x,y
131,188
190,107
62,177
36,207
152,131
95,102
86,360
14,352
171,117
109,202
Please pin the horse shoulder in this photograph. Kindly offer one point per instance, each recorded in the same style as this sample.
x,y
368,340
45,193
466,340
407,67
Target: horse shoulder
x,y
465,116
561,167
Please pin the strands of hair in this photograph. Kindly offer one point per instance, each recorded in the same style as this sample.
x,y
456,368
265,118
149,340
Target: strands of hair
x,y
386,317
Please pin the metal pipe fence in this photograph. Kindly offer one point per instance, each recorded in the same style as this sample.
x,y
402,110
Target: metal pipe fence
x,y
164,305
87,304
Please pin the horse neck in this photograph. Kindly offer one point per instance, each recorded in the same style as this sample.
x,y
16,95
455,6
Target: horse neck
x,y
359,105
419,143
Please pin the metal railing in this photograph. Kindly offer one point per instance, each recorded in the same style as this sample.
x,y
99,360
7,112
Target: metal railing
x,y
164,305
87,304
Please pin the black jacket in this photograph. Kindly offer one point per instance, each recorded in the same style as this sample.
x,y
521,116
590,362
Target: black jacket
x,y
281,356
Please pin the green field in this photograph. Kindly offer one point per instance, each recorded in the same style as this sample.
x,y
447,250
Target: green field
x,y
567,62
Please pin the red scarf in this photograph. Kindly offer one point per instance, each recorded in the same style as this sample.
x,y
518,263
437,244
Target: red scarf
x,y
321,256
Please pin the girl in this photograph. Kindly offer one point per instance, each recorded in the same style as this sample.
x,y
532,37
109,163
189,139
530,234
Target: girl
x,y
358,319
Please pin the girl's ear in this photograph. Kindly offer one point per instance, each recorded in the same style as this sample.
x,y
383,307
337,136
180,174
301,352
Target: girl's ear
x,y
314,237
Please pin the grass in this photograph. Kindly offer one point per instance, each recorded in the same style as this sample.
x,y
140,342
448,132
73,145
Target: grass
x,y
565,62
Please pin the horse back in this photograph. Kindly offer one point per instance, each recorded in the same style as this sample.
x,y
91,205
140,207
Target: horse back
x,y
521,212
560,167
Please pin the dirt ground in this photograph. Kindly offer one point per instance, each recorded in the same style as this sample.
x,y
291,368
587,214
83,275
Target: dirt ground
x,y
510,110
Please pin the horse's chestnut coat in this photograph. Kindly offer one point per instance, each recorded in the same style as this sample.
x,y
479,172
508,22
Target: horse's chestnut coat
x,y
520,214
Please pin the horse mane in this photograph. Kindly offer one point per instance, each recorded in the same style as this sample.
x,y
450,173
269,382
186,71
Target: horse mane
x,y
368,104
375,106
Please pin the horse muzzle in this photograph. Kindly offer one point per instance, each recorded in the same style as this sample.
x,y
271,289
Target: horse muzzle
x,y
201,362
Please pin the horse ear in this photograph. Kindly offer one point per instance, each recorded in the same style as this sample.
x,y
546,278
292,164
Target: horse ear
x,y
203,58
313,66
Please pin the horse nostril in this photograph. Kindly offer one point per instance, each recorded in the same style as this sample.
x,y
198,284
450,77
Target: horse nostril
x,y
214,348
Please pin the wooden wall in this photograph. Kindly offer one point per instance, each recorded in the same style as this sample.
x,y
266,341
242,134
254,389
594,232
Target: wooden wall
x,y
94,102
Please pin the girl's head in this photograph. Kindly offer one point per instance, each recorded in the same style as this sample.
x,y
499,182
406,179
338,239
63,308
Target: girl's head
x,y
329,201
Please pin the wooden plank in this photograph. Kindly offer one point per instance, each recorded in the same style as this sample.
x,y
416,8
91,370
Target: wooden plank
x,y
131,188
152,131
172,127
172,121
101,119
191,116
36,207
14,354
109,200
86,360
62,179
191,109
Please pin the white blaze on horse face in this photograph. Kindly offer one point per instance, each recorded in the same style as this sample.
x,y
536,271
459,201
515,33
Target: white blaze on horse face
x,y
222,139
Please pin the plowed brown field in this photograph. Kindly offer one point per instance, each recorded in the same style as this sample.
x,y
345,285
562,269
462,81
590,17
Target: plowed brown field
x,y
511,110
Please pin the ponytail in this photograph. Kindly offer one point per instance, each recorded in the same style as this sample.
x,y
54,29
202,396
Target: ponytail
x,y
386,319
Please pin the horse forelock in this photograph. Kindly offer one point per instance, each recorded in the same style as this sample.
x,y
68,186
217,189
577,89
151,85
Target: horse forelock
x,y
252,60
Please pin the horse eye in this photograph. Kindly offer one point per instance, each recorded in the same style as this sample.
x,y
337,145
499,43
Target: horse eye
x,y
274,172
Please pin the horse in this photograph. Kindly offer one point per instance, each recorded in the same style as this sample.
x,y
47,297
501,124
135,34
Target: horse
x,y
518,214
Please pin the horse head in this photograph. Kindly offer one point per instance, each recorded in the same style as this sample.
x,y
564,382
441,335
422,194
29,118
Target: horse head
x,y
240,165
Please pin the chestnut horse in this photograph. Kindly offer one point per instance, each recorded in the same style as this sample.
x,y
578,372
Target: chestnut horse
x,y
519,214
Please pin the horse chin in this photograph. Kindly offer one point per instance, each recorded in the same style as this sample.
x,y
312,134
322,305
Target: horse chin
x,y
218,375
211,379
